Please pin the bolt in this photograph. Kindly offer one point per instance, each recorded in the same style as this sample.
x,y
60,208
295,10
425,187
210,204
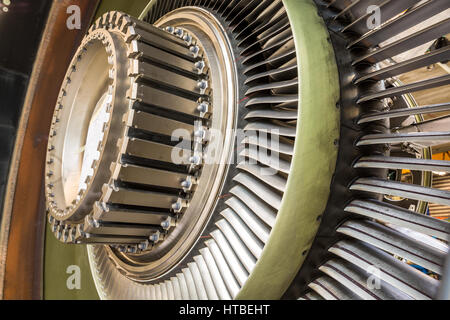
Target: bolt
x,y
170,29
176,206
178,32
202,107
187,38
166,223
143,245
194,50
154,237
194,159
200,133
199,65
203,84
186,184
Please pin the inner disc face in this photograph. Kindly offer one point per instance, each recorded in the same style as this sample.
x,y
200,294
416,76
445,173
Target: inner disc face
x,y
80,132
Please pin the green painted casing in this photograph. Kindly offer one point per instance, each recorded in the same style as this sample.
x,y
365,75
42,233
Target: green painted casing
x,y
314,161
58,257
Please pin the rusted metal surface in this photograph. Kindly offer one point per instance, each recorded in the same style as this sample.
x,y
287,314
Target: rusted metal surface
x,y
24,200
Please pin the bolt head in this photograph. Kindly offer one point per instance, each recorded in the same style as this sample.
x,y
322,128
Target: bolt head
x,y
203,107
194,159
165,224
143,246
154,237
200,133
200,65
186,184
194,50
203,84
187,38
178,32
176,206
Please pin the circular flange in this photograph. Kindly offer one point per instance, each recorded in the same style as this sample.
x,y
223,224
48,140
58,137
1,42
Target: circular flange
x,y
140,180
91,96
198,28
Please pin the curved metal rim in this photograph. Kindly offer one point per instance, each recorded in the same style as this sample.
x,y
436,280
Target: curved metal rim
x,y
63,142
313,165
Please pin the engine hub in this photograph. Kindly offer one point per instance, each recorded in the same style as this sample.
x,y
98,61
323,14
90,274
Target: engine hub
x,y
140,145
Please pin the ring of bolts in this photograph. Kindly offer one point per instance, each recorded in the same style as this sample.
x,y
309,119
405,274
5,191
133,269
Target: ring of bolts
x,y
196,160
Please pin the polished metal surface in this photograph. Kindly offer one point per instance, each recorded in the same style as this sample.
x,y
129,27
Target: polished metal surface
x,y
139,199
392,242
235,242
201,229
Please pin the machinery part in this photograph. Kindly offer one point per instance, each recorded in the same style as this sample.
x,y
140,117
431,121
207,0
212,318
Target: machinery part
x,y
363,238
153,87
233,240
369,241
350,240
253,203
